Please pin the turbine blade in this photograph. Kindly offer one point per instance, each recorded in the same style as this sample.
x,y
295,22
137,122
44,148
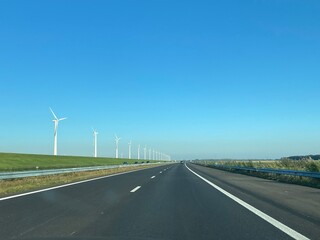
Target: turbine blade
x,y
53,113
116,137
62,119
94,131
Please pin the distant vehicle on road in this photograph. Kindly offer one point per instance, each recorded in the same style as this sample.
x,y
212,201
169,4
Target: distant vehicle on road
x,y
181,161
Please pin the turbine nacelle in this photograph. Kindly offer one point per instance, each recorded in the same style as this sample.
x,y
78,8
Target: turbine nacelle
x,y
55,117
117,138
94,131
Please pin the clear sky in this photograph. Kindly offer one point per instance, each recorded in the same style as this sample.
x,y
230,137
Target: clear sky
x,y
194,79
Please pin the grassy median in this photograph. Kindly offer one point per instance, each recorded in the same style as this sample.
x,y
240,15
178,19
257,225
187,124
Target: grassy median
x,y
21,185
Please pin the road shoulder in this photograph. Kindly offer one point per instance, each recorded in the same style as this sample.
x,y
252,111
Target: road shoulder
x,y
296,206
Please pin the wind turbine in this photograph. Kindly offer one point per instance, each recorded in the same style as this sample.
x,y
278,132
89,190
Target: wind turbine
x,y
145,152
129,149
95,133
139,152
152,154
55,134
117,145
149,154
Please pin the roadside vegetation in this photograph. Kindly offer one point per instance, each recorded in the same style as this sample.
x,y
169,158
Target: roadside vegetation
x,y
285,163
21,185
302,165
20,162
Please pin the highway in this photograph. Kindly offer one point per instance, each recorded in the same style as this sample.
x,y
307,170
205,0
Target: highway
x,y
167,202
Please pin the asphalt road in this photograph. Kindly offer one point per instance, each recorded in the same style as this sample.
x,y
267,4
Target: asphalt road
x,y
167,202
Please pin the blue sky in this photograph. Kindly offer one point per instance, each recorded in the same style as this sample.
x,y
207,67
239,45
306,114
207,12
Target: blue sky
x,y
194,79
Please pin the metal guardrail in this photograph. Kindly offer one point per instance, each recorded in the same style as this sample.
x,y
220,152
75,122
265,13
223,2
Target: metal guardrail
x,y
33,173
270,170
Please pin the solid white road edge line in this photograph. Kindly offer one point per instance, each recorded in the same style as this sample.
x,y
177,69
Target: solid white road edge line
x,y
135,189
68,184
289,231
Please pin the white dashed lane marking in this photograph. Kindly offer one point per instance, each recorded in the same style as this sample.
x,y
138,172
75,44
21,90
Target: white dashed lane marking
x,y
135,189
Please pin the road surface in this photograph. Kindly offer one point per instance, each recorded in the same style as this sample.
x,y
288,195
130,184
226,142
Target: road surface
x,y
166,202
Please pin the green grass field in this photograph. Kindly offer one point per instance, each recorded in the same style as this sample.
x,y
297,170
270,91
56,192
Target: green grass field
x,y
19,162
20,185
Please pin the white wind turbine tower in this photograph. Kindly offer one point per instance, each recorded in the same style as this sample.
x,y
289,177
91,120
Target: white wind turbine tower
x,y
95,133
145,152
149,154
55,134
129,149
139,152
117,145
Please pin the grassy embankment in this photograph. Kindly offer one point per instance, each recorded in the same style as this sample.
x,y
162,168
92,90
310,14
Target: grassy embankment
x,y
302,165
21,162
17,162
